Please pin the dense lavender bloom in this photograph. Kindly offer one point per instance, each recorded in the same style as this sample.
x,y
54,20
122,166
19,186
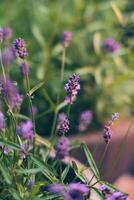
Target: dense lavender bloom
x,y
1,34
7,33
2,122
62,148
77,191
84,120
19,47
111,46
66,38
25,130
30,185
118,196
24,69
63,124
115,116
8,57
72,87
24,150
11,95
107,134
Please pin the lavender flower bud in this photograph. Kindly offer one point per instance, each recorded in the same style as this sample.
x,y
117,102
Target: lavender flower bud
x,y
25,130
118,196
62,148
72,87
11,95
2,122
115,116
19,47
1,34
85,120
24,69
63,124
4,149
8,57
107,134
111,46
30,185
77,191
66,38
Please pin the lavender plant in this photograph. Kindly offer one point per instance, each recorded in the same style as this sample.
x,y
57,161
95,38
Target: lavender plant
x,y
32,167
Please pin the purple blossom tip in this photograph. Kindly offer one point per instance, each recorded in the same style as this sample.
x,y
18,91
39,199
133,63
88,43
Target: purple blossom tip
x,y
85,120
66,38
19,47
107,134
72,87
24,69
111,46
7,33
62,148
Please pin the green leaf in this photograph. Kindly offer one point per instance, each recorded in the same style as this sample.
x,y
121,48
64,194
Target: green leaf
x,y
46,170
91,161
5,174
65,172
48,98
36,87
20,116
76,170
10,144
99,194
28,171
15,194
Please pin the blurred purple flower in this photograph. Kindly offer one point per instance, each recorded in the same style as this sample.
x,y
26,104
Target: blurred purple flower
x,y
2,122
105,191
7,33
85,120
55,188
25,130
4,149
8,57
107,134
118,196
77,191
66,38
19,48
62,148
72,87
24,69
111,46
10,93
63,124
115,116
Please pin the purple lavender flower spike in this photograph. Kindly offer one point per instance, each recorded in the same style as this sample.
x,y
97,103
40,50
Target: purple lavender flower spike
x,y
66,38
2,122
85,120
24,69
118,196
7,33
72,87
30,185
105,191
1,34
63,124
25,130
107,134
19,47
62,148
8,57
111,46
77,191
10,93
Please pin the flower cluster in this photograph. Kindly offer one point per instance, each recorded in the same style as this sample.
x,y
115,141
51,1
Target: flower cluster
x,y
62,148
63,124
85,120
111,46
19,47
25,130
74,191
72,87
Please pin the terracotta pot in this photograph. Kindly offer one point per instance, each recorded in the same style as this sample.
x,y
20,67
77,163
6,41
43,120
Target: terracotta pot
x,y
111,169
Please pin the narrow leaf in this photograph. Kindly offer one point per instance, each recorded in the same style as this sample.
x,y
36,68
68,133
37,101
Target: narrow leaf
x,y
36,87
99,194
65,172
5,173
91,161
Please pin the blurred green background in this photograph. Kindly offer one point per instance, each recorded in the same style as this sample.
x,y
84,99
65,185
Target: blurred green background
x,y
106,79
